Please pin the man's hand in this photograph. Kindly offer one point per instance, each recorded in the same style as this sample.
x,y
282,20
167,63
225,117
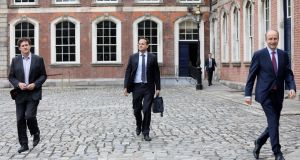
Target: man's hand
x,y
292,94
156,93
125,92
248,101
31,86
22,86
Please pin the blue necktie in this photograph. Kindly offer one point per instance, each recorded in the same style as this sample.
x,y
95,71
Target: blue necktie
x,y
143,68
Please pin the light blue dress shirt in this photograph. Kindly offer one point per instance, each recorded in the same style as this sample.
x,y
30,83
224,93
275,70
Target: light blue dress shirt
x,y
26,66
138,75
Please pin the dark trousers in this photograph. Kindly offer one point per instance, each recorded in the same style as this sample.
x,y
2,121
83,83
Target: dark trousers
x,y
26,116
142,100
272,108
209,76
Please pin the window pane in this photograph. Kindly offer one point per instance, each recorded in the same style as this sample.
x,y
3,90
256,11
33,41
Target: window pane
x,y
188,30
149,30
65,38
24,29
106,40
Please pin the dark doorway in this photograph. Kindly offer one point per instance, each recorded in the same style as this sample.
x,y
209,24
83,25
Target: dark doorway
x,y
187,56
287,26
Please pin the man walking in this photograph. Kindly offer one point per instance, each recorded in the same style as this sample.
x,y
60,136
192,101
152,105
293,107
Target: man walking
x,y
27,74
210,65
271,69
142,78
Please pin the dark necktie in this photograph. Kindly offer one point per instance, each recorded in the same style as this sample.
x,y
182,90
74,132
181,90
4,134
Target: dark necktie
x,y
143,68
274,62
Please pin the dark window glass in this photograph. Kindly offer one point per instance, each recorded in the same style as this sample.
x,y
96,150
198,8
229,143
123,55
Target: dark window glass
x,y
149,30
106,41
24,29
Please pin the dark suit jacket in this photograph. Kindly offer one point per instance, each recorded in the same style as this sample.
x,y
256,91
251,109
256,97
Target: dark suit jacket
x,y
153,73
37,75
213,65
262,69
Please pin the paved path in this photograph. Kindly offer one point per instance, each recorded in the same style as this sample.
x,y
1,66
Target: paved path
x,y
98,123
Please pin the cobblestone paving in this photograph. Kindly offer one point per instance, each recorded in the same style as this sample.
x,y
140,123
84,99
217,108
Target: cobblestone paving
x,y
98,123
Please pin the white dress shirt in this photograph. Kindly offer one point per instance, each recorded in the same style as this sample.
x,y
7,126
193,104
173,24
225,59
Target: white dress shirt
x,y
26,66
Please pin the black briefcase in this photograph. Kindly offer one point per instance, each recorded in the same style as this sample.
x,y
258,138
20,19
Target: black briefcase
x,y
13,93
158,105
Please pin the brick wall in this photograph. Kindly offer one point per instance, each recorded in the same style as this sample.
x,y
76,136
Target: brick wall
x,y
86,69
233,73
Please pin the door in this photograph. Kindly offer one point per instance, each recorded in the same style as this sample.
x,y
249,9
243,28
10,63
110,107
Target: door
x,y
287,26
184,59
187,57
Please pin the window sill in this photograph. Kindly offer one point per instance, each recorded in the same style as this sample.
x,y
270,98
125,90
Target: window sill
x,y
149,4
225,64
64,65
24,6
186,3
106,4
247,64
107,64
236,64
66,5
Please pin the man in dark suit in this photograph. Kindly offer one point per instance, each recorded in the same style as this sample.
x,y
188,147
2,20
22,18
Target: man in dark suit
x,y
271,69
27,74
142,78
210,65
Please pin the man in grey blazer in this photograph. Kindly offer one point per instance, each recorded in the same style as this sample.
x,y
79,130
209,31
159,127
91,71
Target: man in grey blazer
x,y
27,74
142,78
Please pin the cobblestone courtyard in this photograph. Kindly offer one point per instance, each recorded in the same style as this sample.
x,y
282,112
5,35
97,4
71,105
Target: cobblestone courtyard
x,y
98,123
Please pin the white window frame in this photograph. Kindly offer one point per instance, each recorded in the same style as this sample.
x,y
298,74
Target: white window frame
x,y
212,35
106,1
25,3
148,1
267,23
288,8
53,40
248,38
159,35
118,36
75,2
190,1
12,26
224,39
193,24
235,34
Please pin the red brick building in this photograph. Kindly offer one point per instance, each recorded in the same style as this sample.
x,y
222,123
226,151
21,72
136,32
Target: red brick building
x,y
91,39
238,29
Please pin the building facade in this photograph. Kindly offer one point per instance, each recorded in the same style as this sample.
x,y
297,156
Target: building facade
x,y
238,27
90,39
3,39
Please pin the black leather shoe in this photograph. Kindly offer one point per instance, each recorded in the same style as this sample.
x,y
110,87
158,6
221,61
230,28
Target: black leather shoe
x,y
23,148
147,138
279,157
138,131
36,139
256,150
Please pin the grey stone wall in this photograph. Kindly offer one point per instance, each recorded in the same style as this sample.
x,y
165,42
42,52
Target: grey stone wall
x,y
3,39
